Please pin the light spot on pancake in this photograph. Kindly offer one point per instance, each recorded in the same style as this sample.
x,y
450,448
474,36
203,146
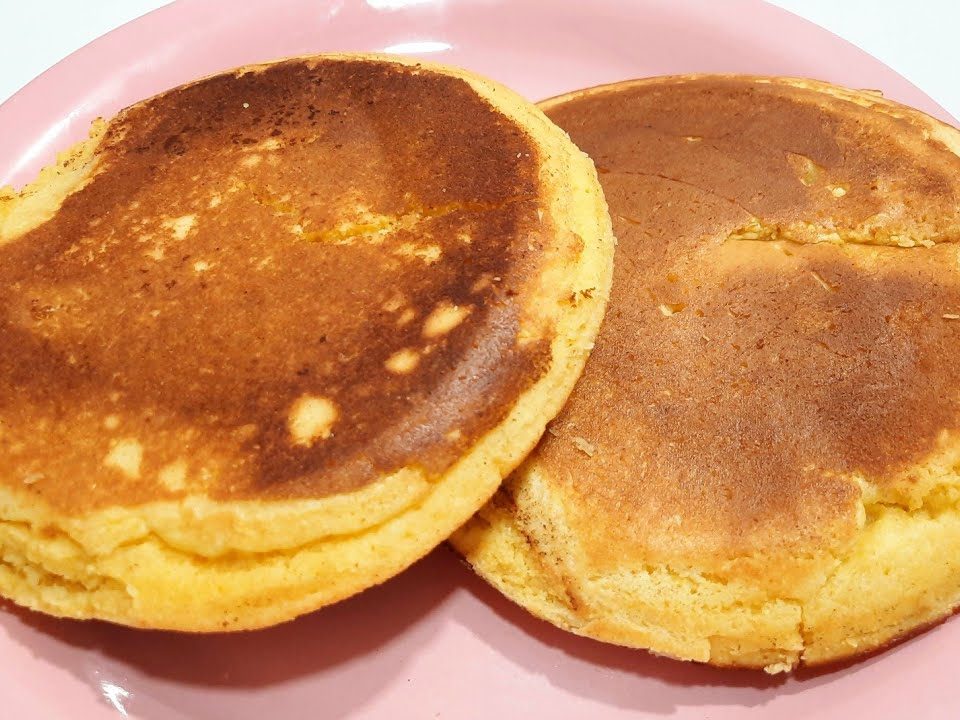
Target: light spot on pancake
x,y
402,361
584,446
692,138
174,476
156,253
270,144
526,336
365,226
453,435
33,478
465,238
428,253
670,309
180,226
808,172
444,318
251,161
215,200
266,261
207,475
245,432
821,281
394,303
201,266
311,418
782,248
481,284
406,317
126,456
111,422
838,191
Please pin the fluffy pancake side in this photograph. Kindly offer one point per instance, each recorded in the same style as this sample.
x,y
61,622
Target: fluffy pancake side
x,y
760,464
271,336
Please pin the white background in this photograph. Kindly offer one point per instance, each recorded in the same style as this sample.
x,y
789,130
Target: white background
x,y
917,38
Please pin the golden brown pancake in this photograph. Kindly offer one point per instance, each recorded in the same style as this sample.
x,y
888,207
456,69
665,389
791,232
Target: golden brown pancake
x,y
269,337
761,463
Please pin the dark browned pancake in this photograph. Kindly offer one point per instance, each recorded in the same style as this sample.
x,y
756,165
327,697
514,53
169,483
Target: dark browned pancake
x,y
778,365
292,282
222,264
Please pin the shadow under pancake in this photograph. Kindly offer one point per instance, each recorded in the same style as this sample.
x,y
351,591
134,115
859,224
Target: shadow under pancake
x,y
625,677
350,658
823,672
632,679
164,674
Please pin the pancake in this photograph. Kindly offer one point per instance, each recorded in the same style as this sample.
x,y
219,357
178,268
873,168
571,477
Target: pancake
x,y
760,466
269,337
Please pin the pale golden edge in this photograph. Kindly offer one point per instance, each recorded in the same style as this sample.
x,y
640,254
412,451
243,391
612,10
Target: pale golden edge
x,y
899,573
141,579
815,630
37,202
531,554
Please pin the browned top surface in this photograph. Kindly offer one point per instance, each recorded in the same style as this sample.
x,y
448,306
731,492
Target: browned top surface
x,y
722,421
259,239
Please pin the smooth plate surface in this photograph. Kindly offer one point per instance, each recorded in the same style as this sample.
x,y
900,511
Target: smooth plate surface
x,y
435,642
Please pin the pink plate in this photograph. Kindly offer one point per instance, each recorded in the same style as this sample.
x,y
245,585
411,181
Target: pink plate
x,y
435,642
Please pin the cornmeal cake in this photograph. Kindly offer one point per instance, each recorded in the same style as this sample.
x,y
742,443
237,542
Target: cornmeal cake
x,y
761,464
269,337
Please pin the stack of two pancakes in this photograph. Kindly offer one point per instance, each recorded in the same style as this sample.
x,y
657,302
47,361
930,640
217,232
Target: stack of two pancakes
x,y
268,338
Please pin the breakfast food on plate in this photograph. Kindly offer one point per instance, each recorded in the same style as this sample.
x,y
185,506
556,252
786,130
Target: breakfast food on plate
x,y
760,466
269,337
